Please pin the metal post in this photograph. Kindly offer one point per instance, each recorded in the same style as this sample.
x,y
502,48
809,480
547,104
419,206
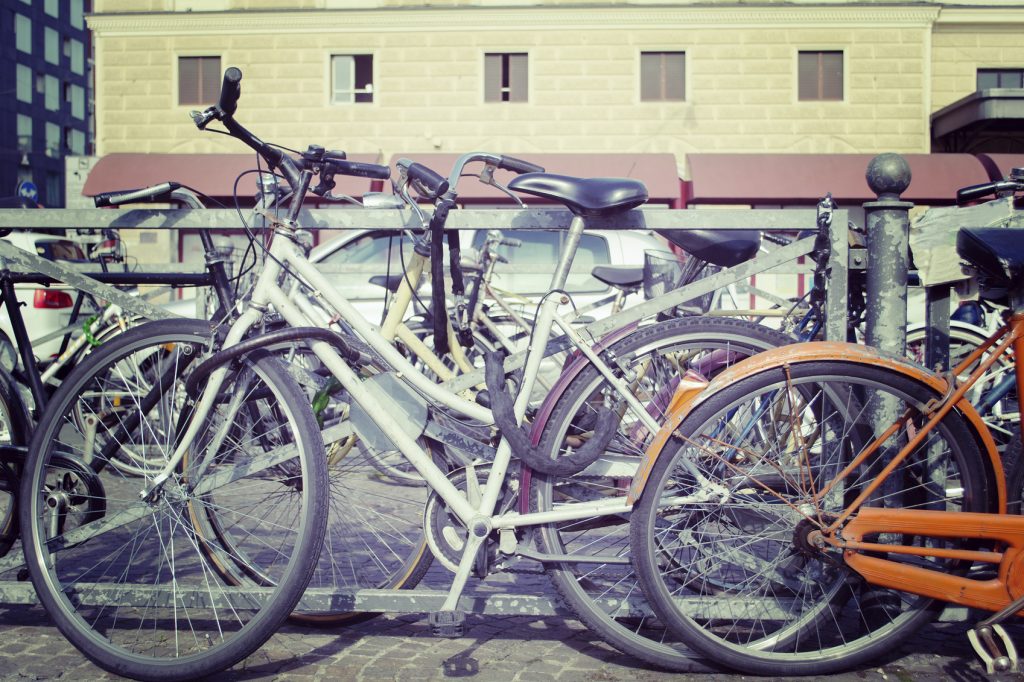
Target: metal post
x,y
888,229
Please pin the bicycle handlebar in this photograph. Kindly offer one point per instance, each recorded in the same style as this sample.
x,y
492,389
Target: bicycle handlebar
x,y
131,195
433,184
518,165
230,91
975,192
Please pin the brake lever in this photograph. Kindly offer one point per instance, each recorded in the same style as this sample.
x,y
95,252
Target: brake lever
x,y
203,119
487,177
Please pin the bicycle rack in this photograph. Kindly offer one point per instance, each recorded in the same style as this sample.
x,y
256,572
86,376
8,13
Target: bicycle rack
x,y
480,600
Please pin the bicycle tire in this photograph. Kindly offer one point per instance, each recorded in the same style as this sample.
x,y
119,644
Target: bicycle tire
x,y
606,597
374,537
1003,416
777,604
133,590
15,430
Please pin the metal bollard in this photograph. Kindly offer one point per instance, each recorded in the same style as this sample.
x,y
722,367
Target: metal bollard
x,y
888,233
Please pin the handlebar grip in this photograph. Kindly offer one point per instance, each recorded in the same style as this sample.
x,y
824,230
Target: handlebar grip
x,y
511,242
518,165
966,194
362,170
127,196
431,181
230,90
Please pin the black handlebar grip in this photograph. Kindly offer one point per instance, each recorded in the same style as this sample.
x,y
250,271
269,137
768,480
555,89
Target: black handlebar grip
x,y
362,170
978,191
230,90
518,165
126,196
966,194
431,181
516,243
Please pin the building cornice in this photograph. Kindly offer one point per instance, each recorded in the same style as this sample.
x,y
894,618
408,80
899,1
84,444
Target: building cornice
x,y
531,18
994,16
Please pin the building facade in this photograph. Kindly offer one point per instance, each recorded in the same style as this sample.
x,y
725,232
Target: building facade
x,y
45,113
390,76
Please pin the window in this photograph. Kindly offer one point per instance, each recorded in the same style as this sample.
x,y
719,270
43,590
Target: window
x,y
76,14
52,139
24,87
530,265
199,80
24,133
77,55
373,248
76,141
52,89
52,7
53,190
51,40
505,77
1000,78
820,76
351,78
76,97
662,76
23,33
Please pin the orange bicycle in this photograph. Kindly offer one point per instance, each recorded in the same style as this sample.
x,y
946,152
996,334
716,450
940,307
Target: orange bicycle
x,y
817,503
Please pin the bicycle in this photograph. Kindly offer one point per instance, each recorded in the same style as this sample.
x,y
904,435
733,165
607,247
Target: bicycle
x,y
464,512
859,490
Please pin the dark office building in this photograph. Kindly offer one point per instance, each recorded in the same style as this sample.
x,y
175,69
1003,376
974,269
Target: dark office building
x,y
46,81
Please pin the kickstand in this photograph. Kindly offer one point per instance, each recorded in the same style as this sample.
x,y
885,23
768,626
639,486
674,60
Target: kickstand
x,y
994,646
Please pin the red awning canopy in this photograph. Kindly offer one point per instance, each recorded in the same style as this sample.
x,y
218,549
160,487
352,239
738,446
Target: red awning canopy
x,y
658,172
804,178
211,174
1000,165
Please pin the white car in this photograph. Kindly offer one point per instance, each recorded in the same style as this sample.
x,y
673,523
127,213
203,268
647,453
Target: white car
x,y
351,259
45,309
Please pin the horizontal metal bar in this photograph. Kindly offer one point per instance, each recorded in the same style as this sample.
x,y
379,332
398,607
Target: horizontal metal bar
x,y
21,259
193,279
357,218
401,601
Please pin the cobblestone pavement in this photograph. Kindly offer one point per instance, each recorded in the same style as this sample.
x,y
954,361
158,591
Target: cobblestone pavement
x,y
401,648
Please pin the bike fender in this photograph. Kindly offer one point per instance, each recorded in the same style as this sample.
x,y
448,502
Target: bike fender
x,y
815,351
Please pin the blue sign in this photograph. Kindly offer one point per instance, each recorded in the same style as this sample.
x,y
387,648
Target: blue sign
x,y
28,190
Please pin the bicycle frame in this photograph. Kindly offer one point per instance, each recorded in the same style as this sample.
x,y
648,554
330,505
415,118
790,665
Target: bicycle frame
x,y
480,520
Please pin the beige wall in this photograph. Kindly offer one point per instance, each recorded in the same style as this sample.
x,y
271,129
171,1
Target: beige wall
x,y
583,67
958,51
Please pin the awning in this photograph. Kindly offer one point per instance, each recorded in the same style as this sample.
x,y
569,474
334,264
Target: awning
x,y
658,172
211,174
983,121
752,179
1000,165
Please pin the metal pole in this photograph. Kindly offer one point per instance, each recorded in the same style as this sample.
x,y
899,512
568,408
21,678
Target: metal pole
x,y
888,229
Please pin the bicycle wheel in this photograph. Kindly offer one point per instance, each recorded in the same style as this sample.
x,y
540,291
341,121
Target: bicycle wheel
x,y
15,428
1001,415
374,537
135,590
604,594
767,600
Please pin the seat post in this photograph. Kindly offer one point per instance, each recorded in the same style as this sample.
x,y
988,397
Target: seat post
x,y
572,242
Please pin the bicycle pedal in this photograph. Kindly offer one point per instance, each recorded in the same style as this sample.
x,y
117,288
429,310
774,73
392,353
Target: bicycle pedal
x,y
447,623
986,641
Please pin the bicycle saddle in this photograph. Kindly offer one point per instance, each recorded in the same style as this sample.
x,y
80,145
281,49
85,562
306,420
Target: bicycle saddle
x,y
587,197
623,276
718,247
997,253
389,282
